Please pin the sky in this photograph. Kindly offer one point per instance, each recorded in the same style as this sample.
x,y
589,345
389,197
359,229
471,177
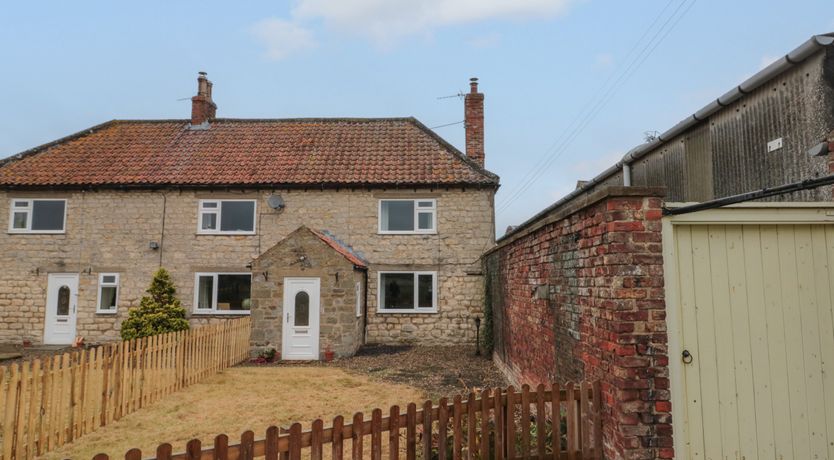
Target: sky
x,y
570,85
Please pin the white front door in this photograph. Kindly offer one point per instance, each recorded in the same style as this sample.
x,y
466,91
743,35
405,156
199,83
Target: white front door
x,y
301,319
61,306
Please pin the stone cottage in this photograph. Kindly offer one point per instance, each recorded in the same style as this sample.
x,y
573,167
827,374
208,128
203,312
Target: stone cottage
x,y
359,230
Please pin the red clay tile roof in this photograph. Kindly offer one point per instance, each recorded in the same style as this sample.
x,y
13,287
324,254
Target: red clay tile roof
x,y
360,152
341,248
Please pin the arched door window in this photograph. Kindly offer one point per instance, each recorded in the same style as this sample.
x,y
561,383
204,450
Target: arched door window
x,y
63,303
302,309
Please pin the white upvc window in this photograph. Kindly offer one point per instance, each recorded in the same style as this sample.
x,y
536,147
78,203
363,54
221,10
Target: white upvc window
x,y
108,293
226,217
408,216
28,215
222,293
407,292
358,292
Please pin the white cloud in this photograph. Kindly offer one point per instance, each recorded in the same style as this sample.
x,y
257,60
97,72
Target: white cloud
x,y
282,38
485,41
387,21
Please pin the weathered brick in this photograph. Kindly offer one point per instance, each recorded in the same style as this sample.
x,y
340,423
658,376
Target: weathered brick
x,y
604,317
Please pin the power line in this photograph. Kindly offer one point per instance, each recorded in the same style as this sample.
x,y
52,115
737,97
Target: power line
x,y
447,124
539,170
648,48
587,105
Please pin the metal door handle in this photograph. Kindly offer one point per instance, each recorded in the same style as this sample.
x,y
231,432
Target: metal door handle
x,y
686,357
288,317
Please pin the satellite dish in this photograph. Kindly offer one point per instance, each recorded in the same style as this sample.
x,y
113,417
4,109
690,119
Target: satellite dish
x,y
275,202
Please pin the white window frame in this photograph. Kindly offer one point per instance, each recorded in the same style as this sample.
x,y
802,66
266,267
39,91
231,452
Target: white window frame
x,y
213,310
358,292
417,211
29,210
416,309
102,284
201,210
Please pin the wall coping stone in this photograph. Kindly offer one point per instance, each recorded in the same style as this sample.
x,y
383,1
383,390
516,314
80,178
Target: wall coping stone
x,y
575,205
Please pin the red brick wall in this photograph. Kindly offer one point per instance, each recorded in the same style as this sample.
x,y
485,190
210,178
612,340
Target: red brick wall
x,y
474,123
582,297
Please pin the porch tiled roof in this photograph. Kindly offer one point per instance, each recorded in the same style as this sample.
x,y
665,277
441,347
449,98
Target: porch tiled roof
x,y
341,248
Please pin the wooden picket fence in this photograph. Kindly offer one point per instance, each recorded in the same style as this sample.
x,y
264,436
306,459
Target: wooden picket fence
x,y
49,402
495,425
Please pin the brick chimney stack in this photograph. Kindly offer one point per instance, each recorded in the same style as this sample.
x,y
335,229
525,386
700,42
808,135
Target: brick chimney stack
x,y
474,122
203,109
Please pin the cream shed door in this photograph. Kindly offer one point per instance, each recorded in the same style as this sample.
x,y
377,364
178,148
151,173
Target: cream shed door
x,y
301,319
753,309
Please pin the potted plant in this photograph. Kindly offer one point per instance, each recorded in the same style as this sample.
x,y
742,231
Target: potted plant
x,y
266,356
328,354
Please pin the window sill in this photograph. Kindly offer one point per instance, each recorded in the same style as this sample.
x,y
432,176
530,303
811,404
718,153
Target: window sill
x,y
106,313
411,311
40,232
226,233
222,313
407,233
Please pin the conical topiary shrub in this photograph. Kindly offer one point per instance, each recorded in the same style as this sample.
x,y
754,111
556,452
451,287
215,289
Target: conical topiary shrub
x,y
159,312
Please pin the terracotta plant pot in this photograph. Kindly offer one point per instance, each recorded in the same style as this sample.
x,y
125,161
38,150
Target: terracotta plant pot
x,y
329,355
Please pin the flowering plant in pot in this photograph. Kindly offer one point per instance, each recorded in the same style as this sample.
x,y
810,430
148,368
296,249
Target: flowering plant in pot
x,y
328,354
266,356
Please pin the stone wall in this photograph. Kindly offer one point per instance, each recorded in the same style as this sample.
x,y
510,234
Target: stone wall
x,y
579,295
110,231
340,328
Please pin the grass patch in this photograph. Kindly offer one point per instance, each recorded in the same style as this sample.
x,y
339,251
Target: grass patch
x,y
240,399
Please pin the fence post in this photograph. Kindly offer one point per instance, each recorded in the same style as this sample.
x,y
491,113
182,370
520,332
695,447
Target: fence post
x,y
500,414
510,422
471,421
193,450
271,447
525,421
485,422
457,431
571,419
221,447
597,420
338,434
376,434
411,432
394,433
541,430
442,428
556,420
247,445
427,421
163,452
357,437
316,440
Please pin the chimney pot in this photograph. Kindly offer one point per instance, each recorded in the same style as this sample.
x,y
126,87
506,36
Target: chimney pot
x,y
473,85
203,108
474,122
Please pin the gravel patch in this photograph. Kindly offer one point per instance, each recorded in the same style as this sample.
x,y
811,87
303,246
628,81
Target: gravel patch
x,y
439,371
